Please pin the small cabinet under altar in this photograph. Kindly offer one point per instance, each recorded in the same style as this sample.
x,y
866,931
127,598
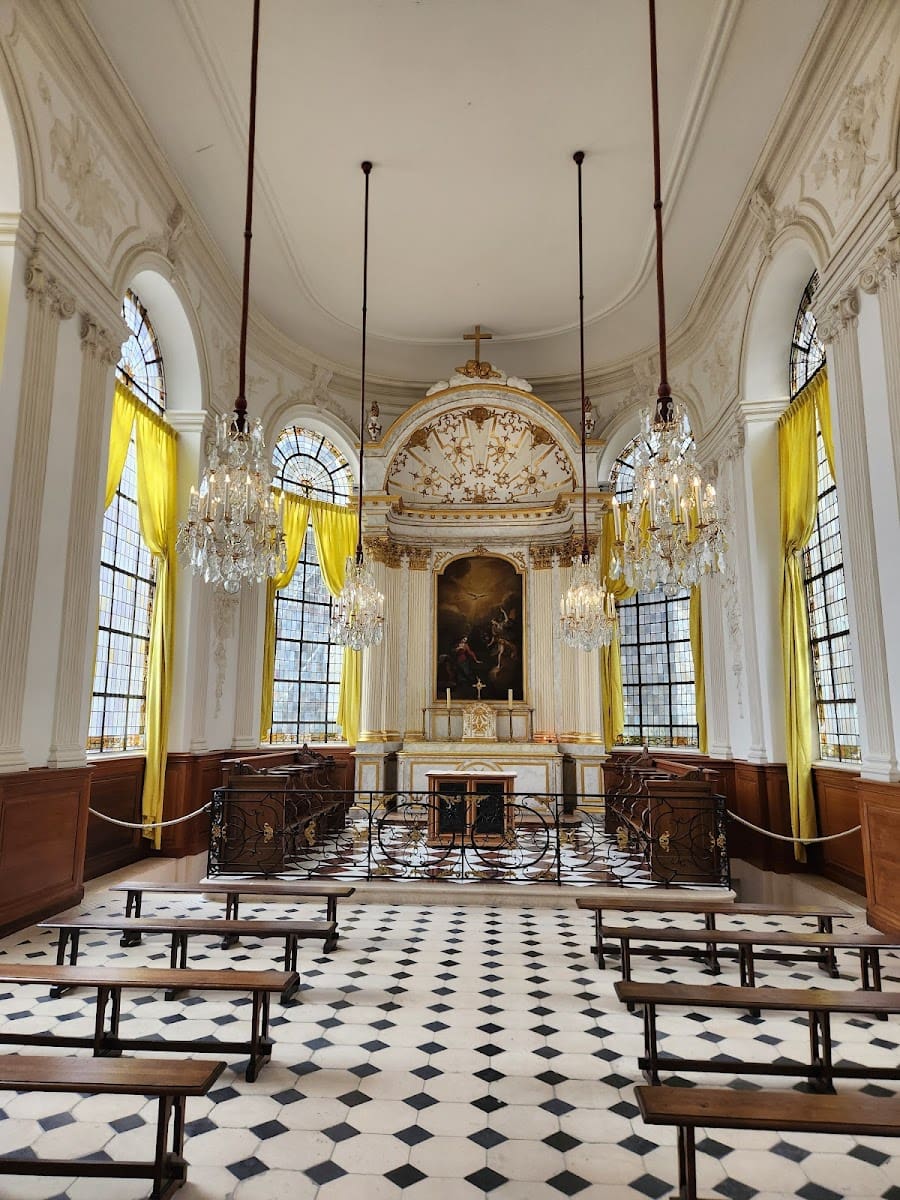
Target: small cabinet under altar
x,y
471,808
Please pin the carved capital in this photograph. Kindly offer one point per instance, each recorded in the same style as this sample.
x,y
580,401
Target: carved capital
x,y
46,289
883,266
383,550
418,557
100,343
839,316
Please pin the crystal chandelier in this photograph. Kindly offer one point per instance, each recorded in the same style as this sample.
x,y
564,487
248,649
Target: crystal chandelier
x,y
357,615
670,534
587,616
233,529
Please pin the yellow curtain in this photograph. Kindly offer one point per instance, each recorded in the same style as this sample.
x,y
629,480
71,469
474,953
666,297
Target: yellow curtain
x,y
157,486
797,490
295,518
696,624
819,389
125,408
335,528
611,696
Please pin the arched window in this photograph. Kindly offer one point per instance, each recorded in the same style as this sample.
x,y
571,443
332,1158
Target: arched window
x,y
307,664
657,662
126,567
823,572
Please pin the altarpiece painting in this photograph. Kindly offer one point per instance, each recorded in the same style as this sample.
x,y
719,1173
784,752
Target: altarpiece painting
x,y
479,623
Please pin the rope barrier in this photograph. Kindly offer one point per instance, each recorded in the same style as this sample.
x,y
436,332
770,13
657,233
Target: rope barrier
x,y
150,824
782,838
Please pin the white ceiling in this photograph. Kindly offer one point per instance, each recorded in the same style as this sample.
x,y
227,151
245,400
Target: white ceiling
x,y
470,111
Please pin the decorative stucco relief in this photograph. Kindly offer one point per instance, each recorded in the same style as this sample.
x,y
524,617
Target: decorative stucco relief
x,y
481,455
846,153
770,219
224,609
727,466
720,362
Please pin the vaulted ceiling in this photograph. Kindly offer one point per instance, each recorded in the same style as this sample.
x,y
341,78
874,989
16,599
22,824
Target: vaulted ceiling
x,y
470,111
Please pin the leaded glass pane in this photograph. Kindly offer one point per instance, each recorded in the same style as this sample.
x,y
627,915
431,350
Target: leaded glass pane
x,y
307,665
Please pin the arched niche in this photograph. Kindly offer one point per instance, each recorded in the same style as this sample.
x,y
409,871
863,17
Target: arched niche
x,y
765,372
480,443
177,328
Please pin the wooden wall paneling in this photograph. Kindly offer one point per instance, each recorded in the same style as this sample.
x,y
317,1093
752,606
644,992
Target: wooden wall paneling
x,y
116,787
837,805
761,796
43,824
190,780
879,810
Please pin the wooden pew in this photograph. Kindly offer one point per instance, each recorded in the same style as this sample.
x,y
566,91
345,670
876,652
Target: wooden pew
x,y
869,946
170,1081
110,983
181,929
233,889
818,1004
786,1112
824,915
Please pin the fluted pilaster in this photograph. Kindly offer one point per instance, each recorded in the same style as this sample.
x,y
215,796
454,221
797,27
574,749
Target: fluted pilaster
x,y
374,664
49,303
882,277
248,684
100,353
393,709
837,326
718,740
418,683
542,627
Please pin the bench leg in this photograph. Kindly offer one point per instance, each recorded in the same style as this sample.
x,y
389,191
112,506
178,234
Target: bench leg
x,y
651,1071
870,972
829,958
712,950
821,1077
68,939
260,1042
747,965
232,902
598,934
132,909
290,952
687,1164
169,1169
104,1039
625,956
331,915
177,960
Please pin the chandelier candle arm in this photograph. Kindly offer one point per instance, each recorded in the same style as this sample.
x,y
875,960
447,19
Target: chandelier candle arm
x,y
233,530
587,616
357,618
670,534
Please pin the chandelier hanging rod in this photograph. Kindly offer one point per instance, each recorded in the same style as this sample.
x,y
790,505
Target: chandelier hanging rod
x,y
664,393
240,405
366,169
578,157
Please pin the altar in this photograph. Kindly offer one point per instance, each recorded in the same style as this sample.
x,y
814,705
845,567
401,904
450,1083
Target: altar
x,y
532,767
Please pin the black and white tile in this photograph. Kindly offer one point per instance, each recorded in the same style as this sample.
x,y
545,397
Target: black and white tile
x,y
445,1053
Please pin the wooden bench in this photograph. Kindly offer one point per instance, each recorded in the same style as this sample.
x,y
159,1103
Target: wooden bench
x,y
708,909
181,929
233,889
171,1082
110,983
817,1003
785,1112
786,945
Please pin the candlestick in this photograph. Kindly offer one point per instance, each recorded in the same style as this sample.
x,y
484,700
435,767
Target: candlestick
x,y
509,698
448,699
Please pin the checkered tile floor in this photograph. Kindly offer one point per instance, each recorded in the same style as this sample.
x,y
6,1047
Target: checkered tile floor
x,y
447,1053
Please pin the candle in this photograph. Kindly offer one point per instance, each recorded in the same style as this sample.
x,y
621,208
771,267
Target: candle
x,y
448,697
509,699
617,519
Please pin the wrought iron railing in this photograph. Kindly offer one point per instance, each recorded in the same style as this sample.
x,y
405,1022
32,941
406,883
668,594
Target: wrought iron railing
x,y
524,837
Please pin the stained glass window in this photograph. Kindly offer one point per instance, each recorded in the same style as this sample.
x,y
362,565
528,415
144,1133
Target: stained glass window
x,y
823,574
307,663
657,661
127,577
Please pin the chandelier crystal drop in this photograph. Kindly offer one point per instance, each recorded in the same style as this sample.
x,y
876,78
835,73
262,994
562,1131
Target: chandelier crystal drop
x,y
357,618
587,612
670,535
233,529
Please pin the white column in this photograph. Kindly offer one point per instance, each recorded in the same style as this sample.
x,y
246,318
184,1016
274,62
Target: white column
x,y
49,303
393,676
419,674
568,690
838,328
542,634
718,741
248,691
190,674
78,630
371,717
882,278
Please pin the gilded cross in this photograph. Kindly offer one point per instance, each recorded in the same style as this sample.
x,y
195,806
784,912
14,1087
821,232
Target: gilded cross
x,y
479,686
477,337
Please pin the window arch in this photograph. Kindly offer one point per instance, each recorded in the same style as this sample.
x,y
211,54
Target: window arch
x,y
307,663
655,637
823,571
127,575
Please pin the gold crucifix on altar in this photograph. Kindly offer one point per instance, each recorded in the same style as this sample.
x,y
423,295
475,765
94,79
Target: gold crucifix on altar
x,y
475,368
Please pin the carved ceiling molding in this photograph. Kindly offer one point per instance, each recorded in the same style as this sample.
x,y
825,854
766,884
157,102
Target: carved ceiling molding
x,y
544,556
481,454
